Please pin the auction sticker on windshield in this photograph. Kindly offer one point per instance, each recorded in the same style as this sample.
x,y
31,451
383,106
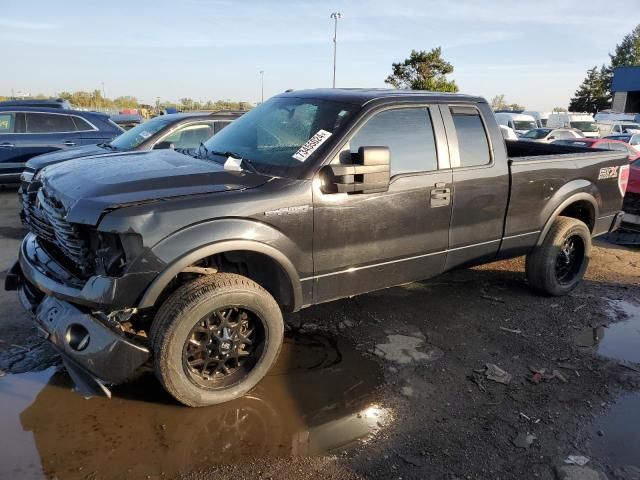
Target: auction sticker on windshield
x,y
311,145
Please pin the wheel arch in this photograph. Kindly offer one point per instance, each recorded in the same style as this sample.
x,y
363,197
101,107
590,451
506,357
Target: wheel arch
x,y
290,298
581,206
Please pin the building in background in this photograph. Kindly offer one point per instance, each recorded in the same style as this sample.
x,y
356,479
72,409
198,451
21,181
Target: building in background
x,y
625,88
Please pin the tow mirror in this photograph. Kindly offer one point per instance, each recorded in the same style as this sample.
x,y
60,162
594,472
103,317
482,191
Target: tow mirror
x,y
369,173
164,146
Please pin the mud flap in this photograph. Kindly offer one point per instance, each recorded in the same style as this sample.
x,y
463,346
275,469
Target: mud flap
x,y
86,384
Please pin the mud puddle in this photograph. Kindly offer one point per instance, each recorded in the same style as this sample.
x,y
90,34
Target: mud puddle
x,y
620,340
615,434
319,397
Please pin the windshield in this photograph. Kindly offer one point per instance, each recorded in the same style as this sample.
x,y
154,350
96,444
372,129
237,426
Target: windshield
x,y
584,126
524,124
537,133
270,136
138,134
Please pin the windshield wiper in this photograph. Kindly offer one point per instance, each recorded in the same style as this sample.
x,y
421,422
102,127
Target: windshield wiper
x,y
202,147
107,146
237,156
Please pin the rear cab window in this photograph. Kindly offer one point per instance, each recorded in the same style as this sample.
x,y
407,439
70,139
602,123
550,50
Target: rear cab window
x,y
407,132
473,142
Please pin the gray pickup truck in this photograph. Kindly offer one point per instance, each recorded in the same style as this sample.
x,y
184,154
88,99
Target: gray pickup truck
x,y
186,263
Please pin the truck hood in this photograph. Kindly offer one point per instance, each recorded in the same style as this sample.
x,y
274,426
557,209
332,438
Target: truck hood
x,y
41,161
87,187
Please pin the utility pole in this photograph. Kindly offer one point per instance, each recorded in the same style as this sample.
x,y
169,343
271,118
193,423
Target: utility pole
x,y
336,16
261,86
104,95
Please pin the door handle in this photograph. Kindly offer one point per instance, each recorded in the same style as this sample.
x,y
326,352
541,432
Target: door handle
x,y
440,197
69,143
6,145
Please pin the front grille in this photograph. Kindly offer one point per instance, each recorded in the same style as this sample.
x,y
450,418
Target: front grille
x,y
45,217
631,203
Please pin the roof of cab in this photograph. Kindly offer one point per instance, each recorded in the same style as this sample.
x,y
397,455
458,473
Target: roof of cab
x,y
362,96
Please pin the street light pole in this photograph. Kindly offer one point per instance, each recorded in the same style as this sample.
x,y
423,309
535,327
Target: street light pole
x,y
261,86
336,16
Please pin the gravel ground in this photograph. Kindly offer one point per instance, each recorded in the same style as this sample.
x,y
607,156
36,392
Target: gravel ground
x,y
433,341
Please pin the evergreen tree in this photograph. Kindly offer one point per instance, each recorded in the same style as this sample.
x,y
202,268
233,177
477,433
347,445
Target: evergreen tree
x,y
593,93
423,71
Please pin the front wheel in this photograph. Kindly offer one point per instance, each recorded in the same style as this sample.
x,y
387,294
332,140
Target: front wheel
x,y
557,266
215,338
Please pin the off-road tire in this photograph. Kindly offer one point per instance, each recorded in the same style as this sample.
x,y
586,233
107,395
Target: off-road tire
x,y
184,308
541,263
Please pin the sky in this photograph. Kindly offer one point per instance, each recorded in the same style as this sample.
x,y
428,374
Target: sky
x,y
536,53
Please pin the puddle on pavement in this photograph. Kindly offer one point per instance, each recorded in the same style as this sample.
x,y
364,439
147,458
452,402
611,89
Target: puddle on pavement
x,y
619,340
319,397
619,444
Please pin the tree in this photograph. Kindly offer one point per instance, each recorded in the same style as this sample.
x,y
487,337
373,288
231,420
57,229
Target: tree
x,y
627,52
593,94
500,103
559,109
423,71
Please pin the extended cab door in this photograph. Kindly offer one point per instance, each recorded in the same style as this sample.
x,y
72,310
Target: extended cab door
x,y
480,184
367,241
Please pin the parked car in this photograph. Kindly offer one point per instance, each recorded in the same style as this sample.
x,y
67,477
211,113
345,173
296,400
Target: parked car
x,y
178,130
189,260
631,205
127,121
517,121
546,135
34,102
602,144
29,131
632,139
540,117
508,133
617,127
581,121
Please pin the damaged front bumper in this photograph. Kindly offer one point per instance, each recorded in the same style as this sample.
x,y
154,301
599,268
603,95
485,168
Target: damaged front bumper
x,y
94,351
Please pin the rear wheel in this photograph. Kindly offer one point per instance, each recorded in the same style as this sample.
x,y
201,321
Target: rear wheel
x,y
557,265
215,338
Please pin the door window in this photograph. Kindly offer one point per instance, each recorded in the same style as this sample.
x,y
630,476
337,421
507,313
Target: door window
x,y
81,124
49,123
7,122
473,144
407,132
190,136
217,126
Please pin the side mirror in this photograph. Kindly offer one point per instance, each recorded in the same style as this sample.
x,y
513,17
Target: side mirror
x,y
368,174
164,146
551,138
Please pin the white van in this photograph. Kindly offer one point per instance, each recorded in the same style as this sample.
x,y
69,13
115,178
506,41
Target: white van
x,y
617,127
580,121
517,121
540,117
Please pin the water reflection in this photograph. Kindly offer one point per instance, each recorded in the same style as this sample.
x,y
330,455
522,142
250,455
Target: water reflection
x,y
619,340
320,396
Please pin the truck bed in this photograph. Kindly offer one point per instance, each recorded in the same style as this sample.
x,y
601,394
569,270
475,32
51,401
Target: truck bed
x,y
547,174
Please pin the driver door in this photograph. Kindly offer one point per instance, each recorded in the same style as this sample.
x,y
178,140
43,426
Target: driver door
x,y
367,241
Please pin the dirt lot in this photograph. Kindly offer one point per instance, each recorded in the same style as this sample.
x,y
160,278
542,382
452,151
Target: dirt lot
x,y
392,384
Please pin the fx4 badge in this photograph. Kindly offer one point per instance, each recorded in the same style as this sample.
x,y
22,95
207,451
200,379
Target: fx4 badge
x,y
608,172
